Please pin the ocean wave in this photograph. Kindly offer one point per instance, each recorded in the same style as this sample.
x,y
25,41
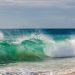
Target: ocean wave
x,y
53,48
35,46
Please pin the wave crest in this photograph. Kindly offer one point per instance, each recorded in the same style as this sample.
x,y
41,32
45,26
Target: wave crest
x,y
52,48
36,45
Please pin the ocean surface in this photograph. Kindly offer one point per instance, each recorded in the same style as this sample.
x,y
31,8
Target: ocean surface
x,y
49,46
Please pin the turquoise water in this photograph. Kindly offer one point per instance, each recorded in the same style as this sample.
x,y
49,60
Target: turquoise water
x,y
27,50
36,44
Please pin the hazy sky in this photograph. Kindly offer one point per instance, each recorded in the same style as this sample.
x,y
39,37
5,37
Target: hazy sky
x,y
37,13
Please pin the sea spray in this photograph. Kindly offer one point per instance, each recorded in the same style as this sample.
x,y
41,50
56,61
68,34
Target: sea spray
x,y
1,36
60,49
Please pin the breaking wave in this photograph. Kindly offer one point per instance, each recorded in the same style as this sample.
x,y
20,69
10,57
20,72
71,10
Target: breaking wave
x,y
35,46
51,47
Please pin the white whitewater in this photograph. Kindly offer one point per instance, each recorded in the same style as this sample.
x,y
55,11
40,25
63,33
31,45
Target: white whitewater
x,y
1,36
